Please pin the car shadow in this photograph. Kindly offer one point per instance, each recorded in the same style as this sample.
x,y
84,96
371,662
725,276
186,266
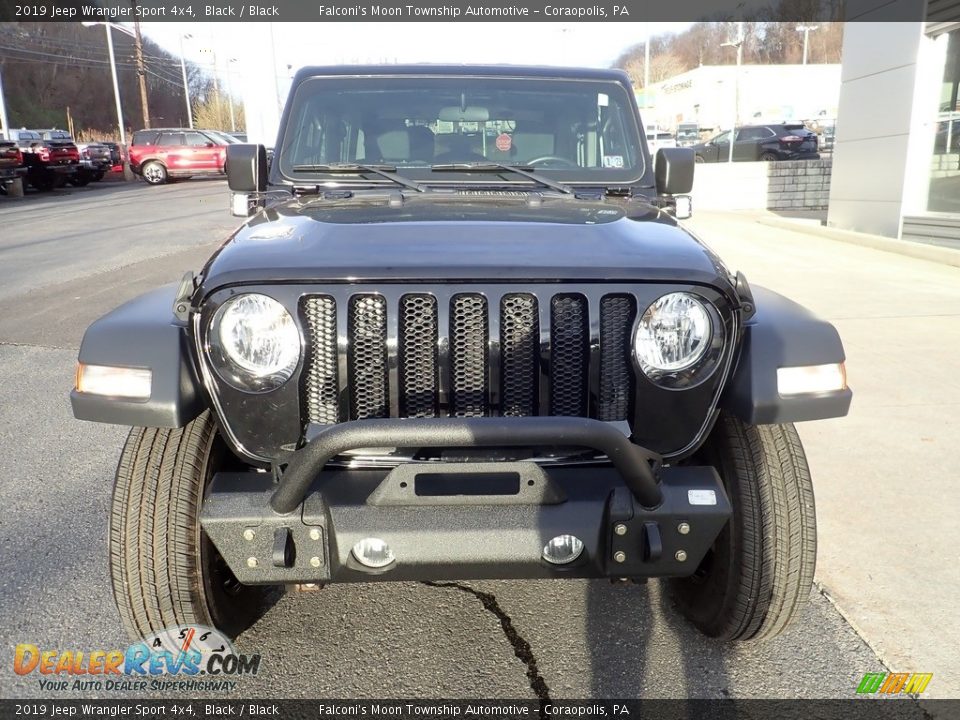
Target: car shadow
x,y
633,630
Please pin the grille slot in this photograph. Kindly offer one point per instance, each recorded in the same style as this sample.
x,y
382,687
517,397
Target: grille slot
x,y
519,353
418,356
570,342
468,355
617,313
367,357
320,380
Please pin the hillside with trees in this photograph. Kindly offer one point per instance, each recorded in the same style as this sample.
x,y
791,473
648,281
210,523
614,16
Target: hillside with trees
x,y
50,67
767,43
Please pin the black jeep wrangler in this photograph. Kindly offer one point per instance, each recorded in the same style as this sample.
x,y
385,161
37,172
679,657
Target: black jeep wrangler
x,y
461,335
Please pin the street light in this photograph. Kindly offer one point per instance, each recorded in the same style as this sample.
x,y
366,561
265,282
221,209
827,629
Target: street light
x,y
186,88
736,86
806,30
127,174
233,119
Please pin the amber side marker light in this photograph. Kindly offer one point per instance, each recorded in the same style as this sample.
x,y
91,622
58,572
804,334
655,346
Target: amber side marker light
x,y
132,383
811,379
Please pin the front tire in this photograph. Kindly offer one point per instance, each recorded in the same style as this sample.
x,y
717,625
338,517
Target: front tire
x,y
757,576
154,173
165,571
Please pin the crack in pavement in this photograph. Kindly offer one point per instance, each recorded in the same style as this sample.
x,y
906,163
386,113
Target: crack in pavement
x,y
521,648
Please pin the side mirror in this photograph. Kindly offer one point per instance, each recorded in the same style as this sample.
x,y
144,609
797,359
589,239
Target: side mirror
x,y
247,168
210,144
673,171
246,177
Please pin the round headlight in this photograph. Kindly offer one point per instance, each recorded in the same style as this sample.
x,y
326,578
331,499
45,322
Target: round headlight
x,y
673,334
254,343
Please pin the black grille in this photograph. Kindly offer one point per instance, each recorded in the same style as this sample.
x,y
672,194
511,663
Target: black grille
x,y
570,342
519,350
368,358
616,323
320,383
467,355
418,356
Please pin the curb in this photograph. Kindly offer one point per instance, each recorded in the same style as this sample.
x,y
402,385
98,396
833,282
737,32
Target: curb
x,y
933,253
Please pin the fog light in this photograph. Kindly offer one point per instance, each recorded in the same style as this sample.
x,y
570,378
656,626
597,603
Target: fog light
x,y
562,549
373,553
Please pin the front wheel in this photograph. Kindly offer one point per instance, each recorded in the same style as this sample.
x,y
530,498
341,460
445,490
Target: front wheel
x,y
154,173
165,571
757,576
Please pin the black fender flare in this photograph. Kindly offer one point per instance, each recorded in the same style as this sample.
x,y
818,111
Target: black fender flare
x,y
780,334
143,333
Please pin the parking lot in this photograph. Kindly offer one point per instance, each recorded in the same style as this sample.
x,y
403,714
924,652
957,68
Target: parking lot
x,y
884,506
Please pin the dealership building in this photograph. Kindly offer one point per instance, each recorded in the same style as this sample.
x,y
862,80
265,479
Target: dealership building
x,y
712,95
896,161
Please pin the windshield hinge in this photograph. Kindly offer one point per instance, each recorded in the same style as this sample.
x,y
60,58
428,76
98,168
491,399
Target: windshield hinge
x,y
181,303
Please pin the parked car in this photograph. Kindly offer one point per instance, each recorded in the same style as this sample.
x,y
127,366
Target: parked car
x,y
688,134
50,162
828,134
784,141
660,139
116,155
12,167
96,160
947,136
412,364
166,154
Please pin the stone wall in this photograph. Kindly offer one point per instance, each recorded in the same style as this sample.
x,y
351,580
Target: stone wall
x,y
782,185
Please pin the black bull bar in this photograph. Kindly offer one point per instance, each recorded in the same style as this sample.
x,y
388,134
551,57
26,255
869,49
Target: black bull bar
x,y
634,517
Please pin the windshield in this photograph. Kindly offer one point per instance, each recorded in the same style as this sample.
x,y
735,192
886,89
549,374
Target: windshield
x,y
570,130
222,137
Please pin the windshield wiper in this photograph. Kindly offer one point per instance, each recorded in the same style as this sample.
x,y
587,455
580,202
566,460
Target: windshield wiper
x,y
525,171
385,171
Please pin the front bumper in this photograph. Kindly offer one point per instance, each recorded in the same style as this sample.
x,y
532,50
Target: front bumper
x,y
465,520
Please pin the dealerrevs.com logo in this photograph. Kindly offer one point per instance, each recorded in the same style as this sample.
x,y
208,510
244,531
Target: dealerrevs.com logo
x,y
183,658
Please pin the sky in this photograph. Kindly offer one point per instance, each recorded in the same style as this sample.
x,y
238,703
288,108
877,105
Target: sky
x,y
246,48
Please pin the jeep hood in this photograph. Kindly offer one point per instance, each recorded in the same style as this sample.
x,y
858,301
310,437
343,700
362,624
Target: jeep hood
x,y
450,240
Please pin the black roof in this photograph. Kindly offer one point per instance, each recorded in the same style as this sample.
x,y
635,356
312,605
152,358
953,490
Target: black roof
x,y
538,71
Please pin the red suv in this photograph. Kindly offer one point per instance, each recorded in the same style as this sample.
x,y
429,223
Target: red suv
x,y
167,153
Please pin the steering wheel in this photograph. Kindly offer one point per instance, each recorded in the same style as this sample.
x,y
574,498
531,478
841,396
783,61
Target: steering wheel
x,y
552,159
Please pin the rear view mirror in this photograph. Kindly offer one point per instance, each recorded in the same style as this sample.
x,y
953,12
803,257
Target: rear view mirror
x,y
673,171
471,113
247,168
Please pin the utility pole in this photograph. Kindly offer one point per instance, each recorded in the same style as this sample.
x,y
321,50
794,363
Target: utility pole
x,y
233,119
186,88
736,87
141,71
806,30
3,107
646,72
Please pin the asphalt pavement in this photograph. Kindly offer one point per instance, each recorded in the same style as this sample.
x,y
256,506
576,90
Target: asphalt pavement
x,y
68,257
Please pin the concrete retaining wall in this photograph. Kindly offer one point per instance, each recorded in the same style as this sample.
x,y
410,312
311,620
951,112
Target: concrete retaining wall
x,y
789,185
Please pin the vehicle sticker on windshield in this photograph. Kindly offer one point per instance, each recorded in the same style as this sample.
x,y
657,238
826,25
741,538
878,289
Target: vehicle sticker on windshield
x,y
504,142
613,161
602,100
